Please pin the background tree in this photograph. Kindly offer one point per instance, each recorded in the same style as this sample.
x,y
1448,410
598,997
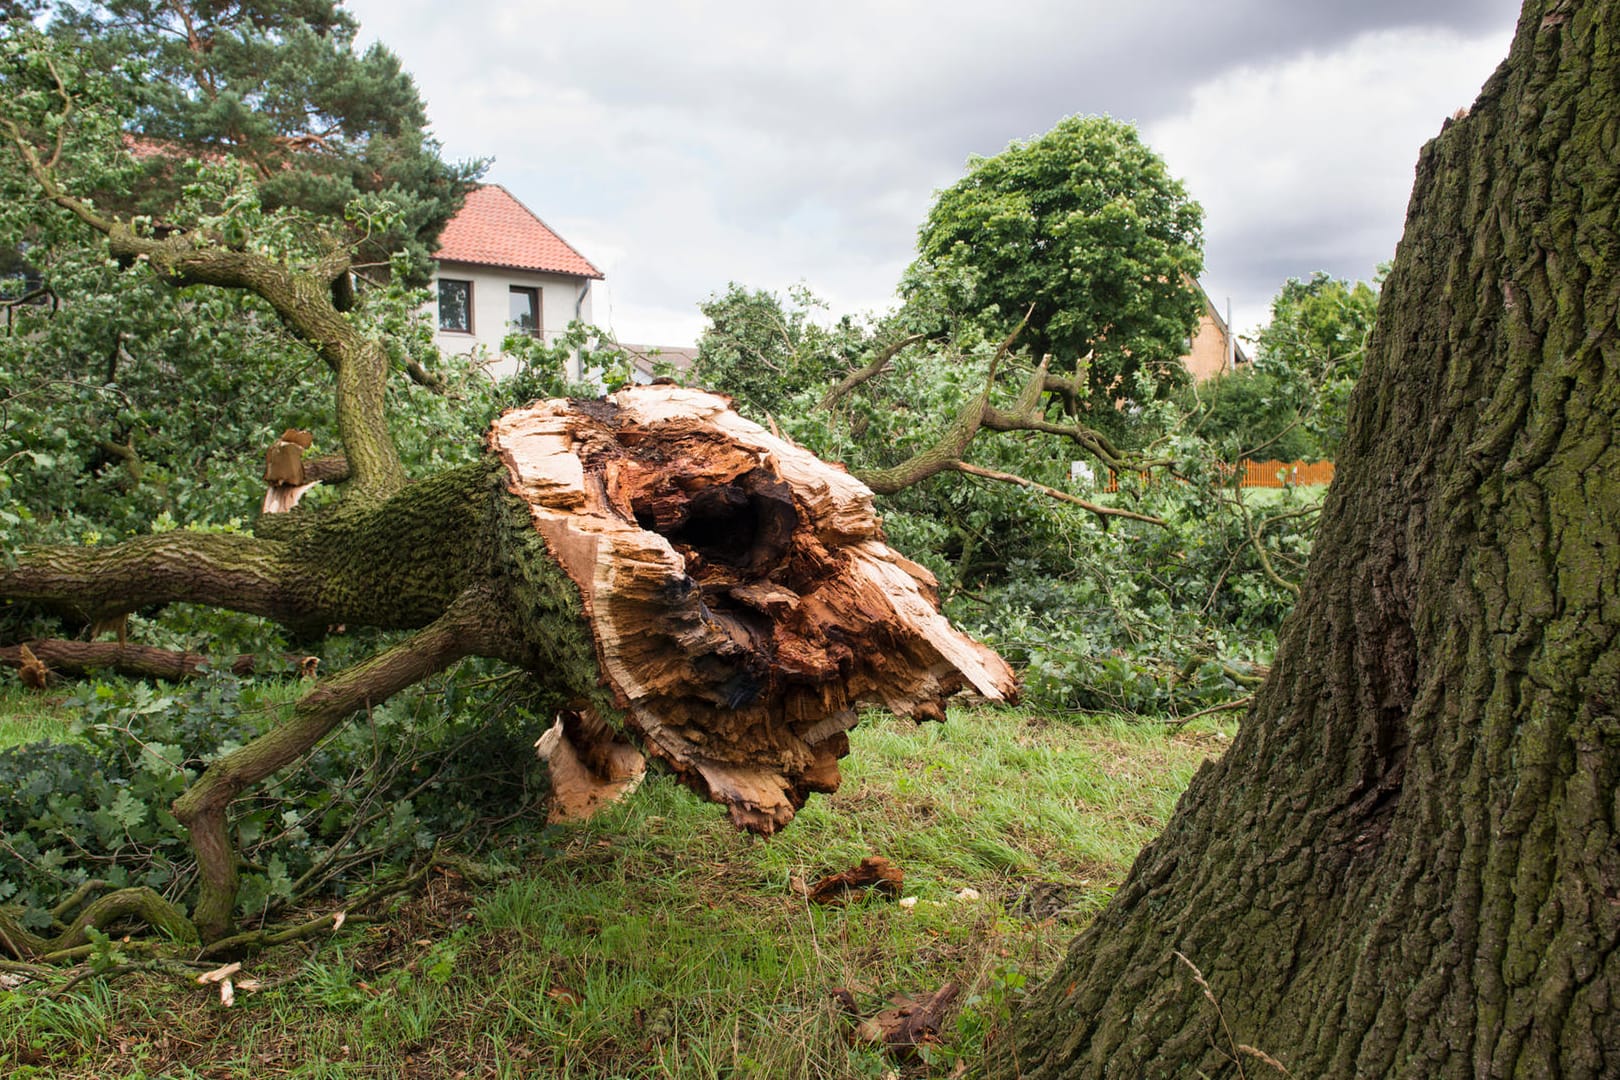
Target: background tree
x,y
1086,224
1406,864
278,85
1290,403
765,352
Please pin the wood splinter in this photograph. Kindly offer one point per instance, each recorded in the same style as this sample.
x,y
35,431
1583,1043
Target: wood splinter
x,y
284,471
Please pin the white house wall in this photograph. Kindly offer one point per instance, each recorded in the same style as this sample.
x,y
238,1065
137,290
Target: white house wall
x,y
559,295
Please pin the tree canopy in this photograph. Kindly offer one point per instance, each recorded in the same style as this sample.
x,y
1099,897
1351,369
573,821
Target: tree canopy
x,y
1084,228
280,86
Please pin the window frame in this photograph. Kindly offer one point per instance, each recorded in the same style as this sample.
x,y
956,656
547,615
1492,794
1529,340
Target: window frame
x,y
467,284
534,294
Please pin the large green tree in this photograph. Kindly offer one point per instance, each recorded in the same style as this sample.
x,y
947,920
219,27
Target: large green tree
x,y
1408,863
279,85
1085,229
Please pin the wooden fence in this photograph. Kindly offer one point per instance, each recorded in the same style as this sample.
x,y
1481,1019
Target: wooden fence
x,y
1263,474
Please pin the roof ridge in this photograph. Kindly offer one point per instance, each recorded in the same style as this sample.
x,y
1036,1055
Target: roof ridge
x,y
495,228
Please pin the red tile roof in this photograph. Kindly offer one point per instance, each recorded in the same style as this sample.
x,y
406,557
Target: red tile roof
x,y
494,229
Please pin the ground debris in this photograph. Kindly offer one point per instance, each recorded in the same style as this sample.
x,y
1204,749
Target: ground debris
x,y
874,874
909,1022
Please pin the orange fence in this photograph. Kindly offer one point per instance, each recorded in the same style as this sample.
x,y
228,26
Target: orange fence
x,y
1263,474
1276,474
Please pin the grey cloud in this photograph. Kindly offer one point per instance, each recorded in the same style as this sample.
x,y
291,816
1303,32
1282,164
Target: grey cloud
x,y
712,140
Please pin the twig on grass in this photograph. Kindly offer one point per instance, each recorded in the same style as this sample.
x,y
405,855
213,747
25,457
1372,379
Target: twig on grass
x,y
1241,703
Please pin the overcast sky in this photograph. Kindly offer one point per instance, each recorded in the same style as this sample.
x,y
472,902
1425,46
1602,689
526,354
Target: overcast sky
x,y
682,145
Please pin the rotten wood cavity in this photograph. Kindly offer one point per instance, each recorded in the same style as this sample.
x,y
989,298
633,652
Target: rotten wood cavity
x,y
741,597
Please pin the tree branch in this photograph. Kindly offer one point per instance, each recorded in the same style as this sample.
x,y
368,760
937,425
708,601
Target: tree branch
x,y
870,371
302,298
947,452
1062,496
463,630
142,661
242,573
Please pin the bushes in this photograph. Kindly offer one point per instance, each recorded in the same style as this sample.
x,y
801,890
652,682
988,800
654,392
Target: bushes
x,y
1138,619
453,759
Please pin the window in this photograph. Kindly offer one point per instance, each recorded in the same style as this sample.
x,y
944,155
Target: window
x,y
455,306
523,310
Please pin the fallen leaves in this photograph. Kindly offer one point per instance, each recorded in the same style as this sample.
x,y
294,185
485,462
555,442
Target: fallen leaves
x,y
33,672
908,1024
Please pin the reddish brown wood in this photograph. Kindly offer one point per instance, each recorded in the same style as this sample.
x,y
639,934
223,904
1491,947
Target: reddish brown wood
x,y
741,597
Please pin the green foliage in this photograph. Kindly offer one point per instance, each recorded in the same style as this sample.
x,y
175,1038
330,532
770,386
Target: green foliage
x,y
1290,404
1142,619
278,85
128,401
1254,412
765,350
1086,224
1120,615
543,365
425,767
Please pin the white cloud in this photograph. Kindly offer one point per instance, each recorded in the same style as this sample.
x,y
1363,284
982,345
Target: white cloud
x,y
1307,164
681,146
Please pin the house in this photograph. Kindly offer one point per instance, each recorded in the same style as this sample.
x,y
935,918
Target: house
x,y
646,361
502,270
1213,348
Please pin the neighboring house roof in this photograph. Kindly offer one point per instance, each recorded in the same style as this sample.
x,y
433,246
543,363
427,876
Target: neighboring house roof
x,y
646,357
493,229
1238,355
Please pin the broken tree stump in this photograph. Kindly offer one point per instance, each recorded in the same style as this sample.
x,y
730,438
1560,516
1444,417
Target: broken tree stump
x,y
740,597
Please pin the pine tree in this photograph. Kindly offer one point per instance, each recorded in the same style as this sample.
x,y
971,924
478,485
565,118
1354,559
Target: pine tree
x,y
279,85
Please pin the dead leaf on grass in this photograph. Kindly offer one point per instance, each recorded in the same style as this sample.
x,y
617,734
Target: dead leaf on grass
x,y
564,994
912,1022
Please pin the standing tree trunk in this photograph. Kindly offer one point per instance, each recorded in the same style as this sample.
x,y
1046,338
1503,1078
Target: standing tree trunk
x,y
1408,862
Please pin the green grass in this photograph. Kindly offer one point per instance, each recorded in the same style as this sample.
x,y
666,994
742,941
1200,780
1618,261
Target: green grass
x,y
657,942
28,716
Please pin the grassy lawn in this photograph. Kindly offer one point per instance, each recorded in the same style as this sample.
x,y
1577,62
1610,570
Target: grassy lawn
x,y
656,941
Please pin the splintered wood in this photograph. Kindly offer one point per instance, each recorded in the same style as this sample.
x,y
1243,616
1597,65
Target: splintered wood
x,y
741,597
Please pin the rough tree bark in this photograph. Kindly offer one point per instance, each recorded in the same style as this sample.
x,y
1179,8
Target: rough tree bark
x,y
1408,862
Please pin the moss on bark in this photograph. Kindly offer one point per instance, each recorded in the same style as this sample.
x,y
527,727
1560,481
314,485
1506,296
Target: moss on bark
x,y
1407,863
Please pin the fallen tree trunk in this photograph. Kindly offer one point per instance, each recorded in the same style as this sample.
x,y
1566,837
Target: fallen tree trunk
x,y
675,575
740,597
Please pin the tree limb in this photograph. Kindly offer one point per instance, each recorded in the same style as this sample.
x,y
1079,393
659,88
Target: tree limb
x,y
953,442
463,630
1063,496
871,371
301,297
142,661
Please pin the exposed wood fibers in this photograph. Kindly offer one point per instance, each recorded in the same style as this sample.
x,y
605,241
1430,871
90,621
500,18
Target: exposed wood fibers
x,y
741,597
